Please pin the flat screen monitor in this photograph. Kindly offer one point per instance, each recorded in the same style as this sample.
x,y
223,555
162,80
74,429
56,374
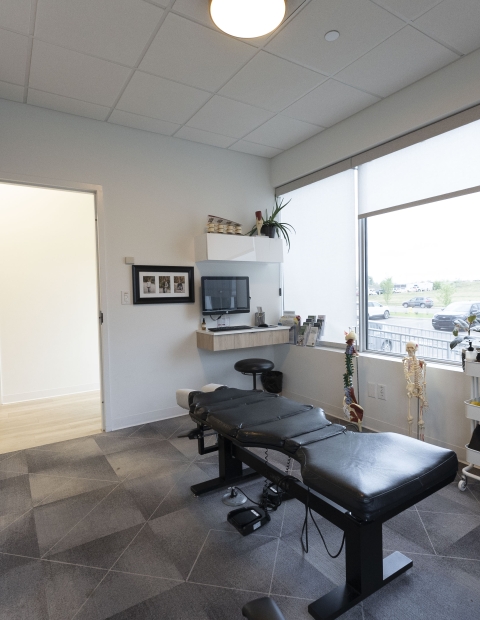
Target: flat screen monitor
x,y
225,295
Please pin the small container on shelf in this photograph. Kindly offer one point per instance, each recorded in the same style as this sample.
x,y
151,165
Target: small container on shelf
x,y
472,409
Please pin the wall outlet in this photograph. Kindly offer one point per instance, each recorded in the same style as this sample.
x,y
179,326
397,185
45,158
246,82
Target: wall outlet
x,y
125,298
372,390
382,392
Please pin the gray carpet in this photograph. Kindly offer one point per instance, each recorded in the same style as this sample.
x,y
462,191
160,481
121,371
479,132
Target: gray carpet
x,y
106,527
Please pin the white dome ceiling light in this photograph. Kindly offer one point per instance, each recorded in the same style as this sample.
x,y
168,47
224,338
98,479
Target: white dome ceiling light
x,y
247,19
332,35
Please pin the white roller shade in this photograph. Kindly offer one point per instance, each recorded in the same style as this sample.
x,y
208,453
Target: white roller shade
x,y
319,270
445,164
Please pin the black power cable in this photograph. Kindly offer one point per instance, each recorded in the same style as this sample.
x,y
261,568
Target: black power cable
x,y
305,529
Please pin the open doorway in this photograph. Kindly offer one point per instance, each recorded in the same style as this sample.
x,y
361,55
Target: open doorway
x,y
50,370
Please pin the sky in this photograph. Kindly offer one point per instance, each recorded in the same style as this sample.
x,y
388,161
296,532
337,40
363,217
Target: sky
x,y
437,241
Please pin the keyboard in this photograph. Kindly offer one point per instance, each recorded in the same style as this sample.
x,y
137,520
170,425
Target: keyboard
x,y
230,328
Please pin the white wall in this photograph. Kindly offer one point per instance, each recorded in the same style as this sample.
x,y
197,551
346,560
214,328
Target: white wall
x,y
315,376
48,305
157,192
445,92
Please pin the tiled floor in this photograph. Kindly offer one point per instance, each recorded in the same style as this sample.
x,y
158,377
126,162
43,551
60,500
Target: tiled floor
x,y
106,527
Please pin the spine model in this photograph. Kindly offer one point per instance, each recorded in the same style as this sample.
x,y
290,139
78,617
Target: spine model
x,y
352,410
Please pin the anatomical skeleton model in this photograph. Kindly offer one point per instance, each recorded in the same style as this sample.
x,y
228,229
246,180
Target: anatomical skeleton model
x,y
352,410
416,375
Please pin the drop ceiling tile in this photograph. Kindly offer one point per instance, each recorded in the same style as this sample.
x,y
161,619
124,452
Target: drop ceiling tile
x,y
70,74
13,57
127,119
162,3
283,132
13,92
362,26
15,15
192,54
254,149
330,103
271,82
117,30
454,22
205,137
403,59
409,9
228,117
65,104
156,97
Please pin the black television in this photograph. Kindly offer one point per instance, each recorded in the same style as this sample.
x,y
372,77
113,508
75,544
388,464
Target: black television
x,y
225,295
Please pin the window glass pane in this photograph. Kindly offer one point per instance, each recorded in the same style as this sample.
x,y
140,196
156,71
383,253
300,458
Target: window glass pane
x,y
426,261
440,165
319,270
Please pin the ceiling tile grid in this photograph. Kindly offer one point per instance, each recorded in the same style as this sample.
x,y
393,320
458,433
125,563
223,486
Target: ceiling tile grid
x,y
115,30
164,67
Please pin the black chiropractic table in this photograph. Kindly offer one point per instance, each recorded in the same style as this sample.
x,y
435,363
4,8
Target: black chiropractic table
x,y
357,481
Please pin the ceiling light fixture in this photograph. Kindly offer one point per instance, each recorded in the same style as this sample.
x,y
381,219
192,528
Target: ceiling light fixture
x,y
247,19
332,35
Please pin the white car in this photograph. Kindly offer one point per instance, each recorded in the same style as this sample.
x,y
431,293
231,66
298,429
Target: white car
x,y
377,310
372,291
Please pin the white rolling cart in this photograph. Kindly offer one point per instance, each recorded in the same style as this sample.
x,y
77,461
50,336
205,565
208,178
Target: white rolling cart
x,y
472,369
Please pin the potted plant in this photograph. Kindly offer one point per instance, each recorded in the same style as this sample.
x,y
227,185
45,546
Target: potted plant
x,y
472,324
272,227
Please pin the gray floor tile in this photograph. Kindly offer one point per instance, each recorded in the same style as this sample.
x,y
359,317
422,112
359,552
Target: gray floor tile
x,y
101,552
53,520
82,447
234,561
125,463
119,592
111,445
166,428
115,513
42,487
69,465
295,575
434,589
17,462
15,497
450,500
406,533
454,535
7,455
20,537
297,609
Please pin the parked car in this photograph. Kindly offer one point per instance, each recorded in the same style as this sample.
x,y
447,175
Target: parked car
x,y
456,310
379,291
418,302
372,291
377,310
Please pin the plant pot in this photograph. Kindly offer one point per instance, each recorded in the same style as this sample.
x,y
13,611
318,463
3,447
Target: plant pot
x,y
268,231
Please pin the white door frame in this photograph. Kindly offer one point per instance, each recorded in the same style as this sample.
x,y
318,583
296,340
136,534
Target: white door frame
x,y
97,191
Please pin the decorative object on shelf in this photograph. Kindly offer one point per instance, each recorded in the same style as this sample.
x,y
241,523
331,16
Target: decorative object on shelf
x,y
271,226
221,225
259,222
247,19
472,411
352,410
415,371
162,285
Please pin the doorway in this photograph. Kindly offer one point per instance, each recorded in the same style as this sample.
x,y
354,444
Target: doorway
x,y
50,353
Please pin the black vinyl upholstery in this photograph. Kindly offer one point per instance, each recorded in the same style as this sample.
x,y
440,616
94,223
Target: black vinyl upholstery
x,y
254,364
366,473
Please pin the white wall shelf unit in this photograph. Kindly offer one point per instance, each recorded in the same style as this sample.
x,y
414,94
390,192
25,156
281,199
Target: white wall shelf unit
x,y
220,247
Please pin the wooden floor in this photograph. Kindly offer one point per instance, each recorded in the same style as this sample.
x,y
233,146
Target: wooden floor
x,y
38,422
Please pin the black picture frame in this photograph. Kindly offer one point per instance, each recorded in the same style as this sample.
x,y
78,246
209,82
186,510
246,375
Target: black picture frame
x,y
153,284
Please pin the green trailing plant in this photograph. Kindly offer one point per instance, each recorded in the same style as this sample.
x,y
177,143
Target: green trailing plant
x,y
281,228
472,324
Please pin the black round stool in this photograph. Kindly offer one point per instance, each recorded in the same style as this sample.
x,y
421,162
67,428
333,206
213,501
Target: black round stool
x,y
254,366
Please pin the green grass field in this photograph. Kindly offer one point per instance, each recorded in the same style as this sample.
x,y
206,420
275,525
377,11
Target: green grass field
x,y
464,291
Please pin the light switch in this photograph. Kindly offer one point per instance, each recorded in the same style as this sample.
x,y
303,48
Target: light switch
x,y
372,390
125,297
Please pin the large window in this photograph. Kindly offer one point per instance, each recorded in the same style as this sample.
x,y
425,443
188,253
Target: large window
x,y
423,274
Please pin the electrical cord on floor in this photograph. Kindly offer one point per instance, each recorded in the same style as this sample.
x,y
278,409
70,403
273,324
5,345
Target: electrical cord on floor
x,y
305,530
265,504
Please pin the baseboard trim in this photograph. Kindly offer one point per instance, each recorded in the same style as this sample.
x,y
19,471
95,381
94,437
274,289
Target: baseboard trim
x,y
66,391
148,416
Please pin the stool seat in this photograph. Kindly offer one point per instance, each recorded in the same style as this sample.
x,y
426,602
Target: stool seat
x,y
254,366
